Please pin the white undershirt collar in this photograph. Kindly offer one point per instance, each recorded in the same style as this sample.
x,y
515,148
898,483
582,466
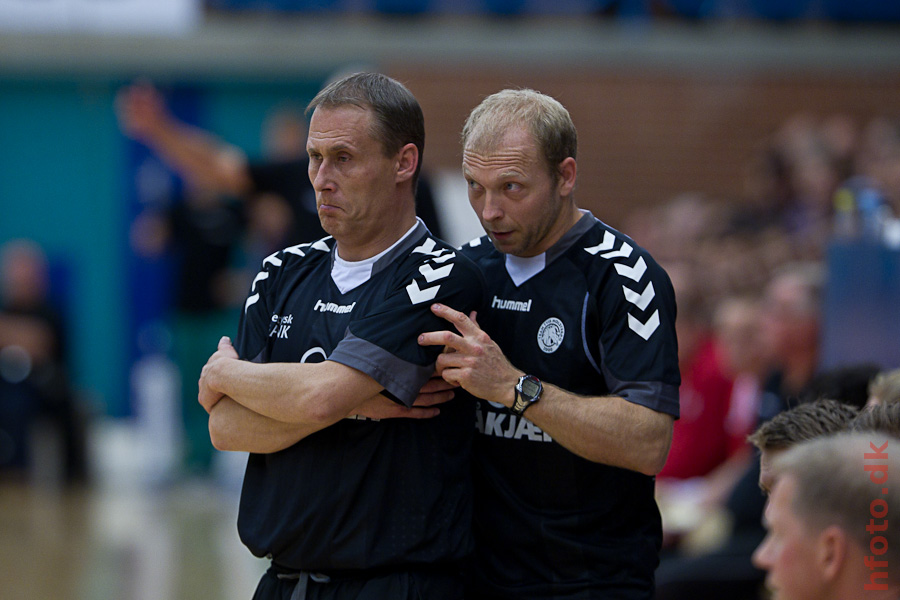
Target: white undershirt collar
x,y
521,269
348,275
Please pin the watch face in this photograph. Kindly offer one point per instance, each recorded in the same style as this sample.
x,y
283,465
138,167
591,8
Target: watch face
x,y
530,388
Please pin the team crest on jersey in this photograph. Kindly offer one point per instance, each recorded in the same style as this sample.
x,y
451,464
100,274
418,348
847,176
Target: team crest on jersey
x,y
550,335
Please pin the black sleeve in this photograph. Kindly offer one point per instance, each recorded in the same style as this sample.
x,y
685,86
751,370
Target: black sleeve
x,y
384,344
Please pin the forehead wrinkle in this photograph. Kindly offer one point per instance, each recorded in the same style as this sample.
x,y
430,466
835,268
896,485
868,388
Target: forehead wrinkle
x,y
513,162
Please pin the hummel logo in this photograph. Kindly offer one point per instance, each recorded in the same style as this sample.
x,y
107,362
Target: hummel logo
x,y
438,256
607,244
417,296
641,300
645,330
427,247
339,309
253,299
635,273
432,274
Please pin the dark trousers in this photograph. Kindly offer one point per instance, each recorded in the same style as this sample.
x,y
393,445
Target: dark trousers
x,y
414,584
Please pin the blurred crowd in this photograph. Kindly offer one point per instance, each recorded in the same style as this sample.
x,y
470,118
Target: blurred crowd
x,y
750,278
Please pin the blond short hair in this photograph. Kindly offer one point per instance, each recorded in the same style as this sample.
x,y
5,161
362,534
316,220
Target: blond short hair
x,y
545,117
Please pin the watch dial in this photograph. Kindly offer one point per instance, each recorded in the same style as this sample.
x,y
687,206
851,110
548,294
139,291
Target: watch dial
x,y
530,388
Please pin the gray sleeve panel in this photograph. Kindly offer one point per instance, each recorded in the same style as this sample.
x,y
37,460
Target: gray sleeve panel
x,y
400,378
660,397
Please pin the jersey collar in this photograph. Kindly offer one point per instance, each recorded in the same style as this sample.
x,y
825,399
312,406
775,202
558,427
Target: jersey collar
x,y
349,275
521,269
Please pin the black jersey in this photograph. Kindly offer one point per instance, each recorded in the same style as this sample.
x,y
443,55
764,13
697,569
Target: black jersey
x,y
594,315
361,494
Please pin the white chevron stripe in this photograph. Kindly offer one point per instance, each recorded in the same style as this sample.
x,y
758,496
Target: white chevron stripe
x,y
432,274
475,243
428,248
645,330
634,273
623,252
251,301
417,296
297,249
444,257
272,259
259,277
641,300
608,242
321,245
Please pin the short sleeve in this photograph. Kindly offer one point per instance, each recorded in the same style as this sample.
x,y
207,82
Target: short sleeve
x,y
384,343
638,347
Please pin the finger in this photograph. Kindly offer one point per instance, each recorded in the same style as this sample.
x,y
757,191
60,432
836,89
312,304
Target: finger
x,y
433,399
423,413
462,323
452,375
441,338
435,384
224,343
474,317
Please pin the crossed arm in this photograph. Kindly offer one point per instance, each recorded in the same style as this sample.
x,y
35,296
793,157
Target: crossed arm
x,y
265,408
605,429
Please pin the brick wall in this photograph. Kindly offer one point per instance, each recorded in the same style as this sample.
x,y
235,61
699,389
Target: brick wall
x,y
647,136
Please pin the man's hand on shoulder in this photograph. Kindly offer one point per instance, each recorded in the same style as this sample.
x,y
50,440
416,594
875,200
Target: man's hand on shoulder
x,y
471,358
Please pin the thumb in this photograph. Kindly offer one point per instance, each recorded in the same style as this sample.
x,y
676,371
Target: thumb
x,y
224,342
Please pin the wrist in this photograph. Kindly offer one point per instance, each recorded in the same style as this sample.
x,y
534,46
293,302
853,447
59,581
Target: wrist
x,y
506,390
528,391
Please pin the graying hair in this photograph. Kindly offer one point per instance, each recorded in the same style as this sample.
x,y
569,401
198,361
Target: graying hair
x,y
398,118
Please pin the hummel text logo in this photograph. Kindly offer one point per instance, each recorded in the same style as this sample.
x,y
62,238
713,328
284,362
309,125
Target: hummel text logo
x,y
333,308
511,304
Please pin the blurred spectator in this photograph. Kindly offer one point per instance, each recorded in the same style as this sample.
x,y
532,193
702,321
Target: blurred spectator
x,y
791,323
789,328
849,383
204,232
736,326
214,166
885,388
41,426
878,159
699,441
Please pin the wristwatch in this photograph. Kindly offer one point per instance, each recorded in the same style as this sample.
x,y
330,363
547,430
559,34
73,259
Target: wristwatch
x,y
528,392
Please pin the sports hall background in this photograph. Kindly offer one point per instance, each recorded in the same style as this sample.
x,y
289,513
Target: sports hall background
x,y
669,98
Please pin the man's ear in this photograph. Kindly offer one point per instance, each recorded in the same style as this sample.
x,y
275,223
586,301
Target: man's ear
x,y
567,173
831,552
407,161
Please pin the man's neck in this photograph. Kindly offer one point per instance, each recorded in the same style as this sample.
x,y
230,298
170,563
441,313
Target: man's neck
x,y
385,239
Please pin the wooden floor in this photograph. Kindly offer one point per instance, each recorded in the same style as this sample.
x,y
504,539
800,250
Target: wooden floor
x,y
104,543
